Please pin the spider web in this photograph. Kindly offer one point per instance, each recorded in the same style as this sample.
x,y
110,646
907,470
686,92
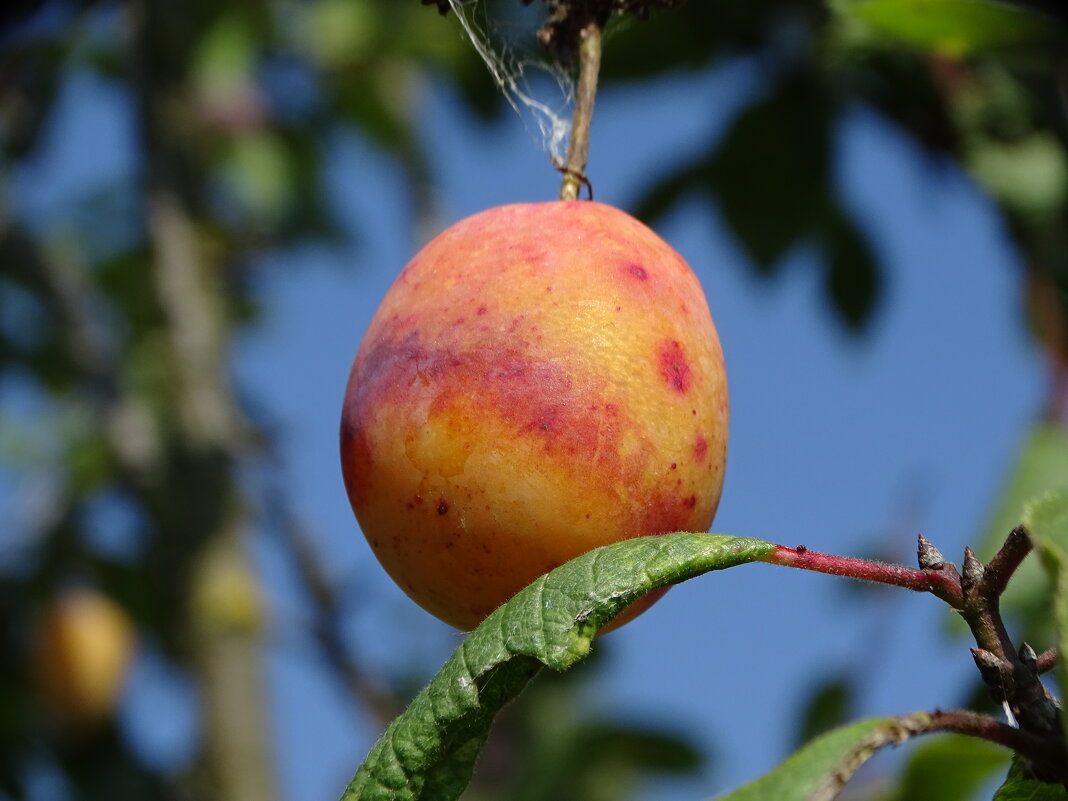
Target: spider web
x,y
539,91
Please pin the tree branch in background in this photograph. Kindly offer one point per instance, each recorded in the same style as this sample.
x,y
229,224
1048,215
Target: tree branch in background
x,y
215,587
371,697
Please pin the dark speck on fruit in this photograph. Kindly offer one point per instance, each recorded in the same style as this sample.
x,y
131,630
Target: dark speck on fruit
x,y
637,271
674,366
700,447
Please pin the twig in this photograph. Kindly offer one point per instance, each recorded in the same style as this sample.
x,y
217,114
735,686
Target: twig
x,y
936,580
1011,675
1018,683
981,607
382,706
1005,562
578,149
973,724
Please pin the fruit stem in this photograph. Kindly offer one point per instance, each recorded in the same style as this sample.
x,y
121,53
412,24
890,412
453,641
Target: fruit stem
x,y
578,148
934,580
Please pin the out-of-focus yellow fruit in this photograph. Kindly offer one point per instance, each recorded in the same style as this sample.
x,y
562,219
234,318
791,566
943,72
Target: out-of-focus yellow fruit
x,y
84,646
541,379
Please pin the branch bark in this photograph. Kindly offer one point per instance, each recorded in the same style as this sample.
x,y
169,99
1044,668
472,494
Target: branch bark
x,y
206,527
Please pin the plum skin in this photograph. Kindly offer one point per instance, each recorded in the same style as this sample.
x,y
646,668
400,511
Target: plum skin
x,y
541,379
83,650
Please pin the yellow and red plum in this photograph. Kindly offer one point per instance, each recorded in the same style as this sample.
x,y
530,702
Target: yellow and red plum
x,y
83,649
540,380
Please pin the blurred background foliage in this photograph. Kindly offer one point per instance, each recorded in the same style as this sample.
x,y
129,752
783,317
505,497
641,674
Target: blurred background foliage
x,y
141,462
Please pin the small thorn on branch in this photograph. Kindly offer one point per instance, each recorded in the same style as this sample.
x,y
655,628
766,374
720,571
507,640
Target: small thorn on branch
x,y
1046,661
988,661
932,561
972,573
1028,657
929,557
995,671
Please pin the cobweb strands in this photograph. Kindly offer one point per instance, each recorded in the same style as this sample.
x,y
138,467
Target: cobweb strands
x,y
537,89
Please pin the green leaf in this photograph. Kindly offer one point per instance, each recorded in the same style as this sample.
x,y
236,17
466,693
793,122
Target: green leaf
x,y
776,193
1029,175
950,27
852,280
257,172
598,761
819,770
225,57
429,751
1019,788
1047,522
949,768
828,705
342,32
772,188
1041,466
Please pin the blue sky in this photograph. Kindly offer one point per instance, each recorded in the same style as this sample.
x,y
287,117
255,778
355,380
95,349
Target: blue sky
x,y
836,442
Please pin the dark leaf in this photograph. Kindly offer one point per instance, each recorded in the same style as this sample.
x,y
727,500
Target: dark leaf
x,y
853,280
821,769
1018,787
949,768
830,704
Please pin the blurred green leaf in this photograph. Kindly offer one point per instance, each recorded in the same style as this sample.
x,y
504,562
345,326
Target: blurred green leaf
x,y
552,744
690,35
224,54
771,180
827,706
341,32
429,751
950,27
1019,788
1041,466
768,176
1047,522
948,768
600,761
853,281
258,174
1028,175
822,767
